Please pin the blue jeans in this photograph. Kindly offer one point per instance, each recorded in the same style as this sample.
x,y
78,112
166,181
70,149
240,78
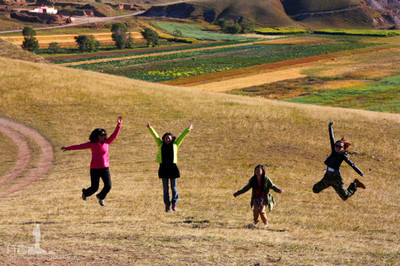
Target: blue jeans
x,y
174,189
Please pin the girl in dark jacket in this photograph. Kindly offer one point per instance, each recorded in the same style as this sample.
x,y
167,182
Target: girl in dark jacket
x,y
260,195
332,176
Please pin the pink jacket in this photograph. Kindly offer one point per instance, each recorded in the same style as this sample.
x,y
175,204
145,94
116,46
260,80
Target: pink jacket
x,y
99,150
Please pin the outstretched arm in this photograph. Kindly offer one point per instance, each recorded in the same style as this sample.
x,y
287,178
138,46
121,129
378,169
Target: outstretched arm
x,y
275,188
349,162
243,190
82,146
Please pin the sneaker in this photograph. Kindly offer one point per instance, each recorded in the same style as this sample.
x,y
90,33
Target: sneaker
x,y
359,184
166,208
174,207
101,201
83,194
266,224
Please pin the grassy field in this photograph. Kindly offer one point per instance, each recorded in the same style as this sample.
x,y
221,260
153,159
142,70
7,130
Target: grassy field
x,y
231,135
197,32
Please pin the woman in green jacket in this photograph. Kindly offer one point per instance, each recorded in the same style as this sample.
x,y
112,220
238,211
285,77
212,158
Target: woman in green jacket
x,y
167,157
260,196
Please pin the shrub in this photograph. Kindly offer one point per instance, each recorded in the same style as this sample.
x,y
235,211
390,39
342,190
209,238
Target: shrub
x,y
54,48
87,43
151,36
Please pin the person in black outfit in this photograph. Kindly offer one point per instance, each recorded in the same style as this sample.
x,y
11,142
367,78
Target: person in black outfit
x,y
332,176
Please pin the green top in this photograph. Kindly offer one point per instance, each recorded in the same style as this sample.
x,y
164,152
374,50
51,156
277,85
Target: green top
x,y
175,144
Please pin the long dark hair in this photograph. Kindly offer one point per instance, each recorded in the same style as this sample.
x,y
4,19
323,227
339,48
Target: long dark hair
x,y
166,134
254,178
94,136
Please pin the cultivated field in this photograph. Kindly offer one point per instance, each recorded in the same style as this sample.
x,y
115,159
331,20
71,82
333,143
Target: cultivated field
x,y
231,135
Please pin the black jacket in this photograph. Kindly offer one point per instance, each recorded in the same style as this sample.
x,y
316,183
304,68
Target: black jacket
x,y
336,158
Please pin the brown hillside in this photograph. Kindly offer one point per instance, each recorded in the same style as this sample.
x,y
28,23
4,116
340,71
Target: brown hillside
x,y
295,13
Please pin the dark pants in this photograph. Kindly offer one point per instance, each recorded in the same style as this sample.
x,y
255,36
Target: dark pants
x,y
174,189
95,175
335,180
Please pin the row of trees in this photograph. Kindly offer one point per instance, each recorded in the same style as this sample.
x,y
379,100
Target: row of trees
x,y
123,39
88,43
237,26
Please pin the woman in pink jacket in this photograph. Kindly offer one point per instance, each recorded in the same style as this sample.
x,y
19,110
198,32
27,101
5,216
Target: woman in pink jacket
x,y
99,166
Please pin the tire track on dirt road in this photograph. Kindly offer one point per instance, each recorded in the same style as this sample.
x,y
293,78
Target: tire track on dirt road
x,y
21,135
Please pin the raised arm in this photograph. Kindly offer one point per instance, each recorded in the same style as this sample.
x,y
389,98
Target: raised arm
x,y
183,135
331,136
154,134
116,131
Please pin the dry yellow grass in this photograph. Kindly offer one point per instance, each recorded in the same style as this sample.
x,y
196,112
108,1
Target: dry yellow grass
x,y
252,80
231,135
67,40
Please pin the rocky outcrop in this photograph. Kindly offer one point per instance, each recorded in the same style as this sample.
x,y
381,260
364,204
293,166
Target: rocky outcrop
x,y
12,2
181,10
37,17
390,10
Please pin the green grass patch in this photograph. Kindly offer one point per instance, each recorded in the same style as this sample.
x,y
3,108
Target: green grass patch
x,y
280,30
375,33
383,95
196,32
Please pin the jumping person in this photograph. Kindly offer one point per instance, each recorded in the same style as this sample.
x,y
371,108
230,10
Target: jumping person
x,y
260,196
167,157
99,166
332,175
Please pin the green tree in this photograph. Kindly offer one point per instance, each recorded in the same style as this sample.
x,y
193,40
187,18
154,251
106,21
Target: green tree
x,y
233,28
151,36
119,34
129,41
30,42
247,26
87,43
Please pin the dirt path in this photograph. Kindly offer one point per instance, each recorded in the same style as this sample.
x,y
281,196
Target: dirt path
x,y
21,135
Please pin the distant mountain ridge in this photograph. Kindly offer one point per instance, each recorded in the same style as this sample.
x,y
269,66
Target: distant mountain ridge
x,y
382,14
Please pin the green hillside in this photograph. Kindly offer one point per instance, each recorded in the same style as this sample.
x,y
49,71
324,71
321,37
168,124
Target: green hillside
x,y
231,135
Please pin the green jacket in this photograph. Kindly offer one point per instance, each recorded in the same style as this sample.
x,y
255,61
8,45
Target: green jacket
x,y
268,185
175,144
